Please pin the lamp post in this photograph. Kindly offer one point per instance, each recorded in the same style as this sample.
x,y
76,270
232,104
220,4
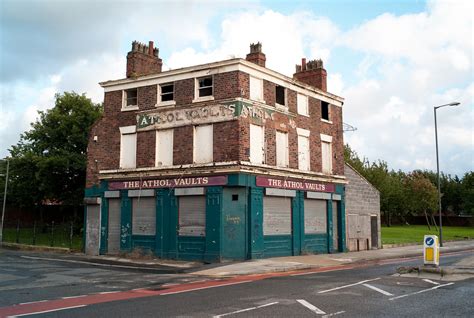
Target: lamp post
x,y
4,203
437,168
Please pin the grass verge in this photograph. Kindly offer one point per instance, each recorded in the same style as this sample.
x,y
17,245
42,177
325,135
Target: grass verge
x,y
401,234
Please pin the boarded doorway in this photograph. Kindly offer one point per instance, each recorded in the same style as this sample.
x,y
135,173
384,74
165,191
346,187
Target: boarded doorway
x,y
374,231
113,239
93,229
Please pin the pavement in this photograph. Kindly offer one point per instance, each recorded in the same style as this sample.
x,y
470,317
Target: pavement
x,y
289,263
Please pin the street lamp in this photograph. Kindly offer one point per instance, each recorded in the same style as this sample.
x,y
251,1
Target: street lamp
x,y
4,202
437,168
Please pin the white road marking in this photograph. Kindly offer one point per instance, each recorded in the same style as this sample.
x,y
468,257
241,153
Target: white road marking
x,y
246,309
110,292
334,314
421,291
45,311
88,263
430,281
311,307
33,302
378,290
67,297
206,287
345,286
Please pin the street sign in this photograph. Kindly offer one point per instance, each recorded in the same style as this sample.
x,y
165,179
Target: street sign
x,y
431,250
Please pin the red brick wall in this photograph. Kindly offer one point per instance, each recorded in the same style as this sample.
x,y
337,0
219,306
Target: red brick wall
x,y
231,139
183,145
146,141
139,64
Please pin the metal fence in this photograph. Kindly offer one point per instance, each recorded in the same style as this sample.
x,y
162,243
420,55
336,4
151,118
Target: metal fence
x,y
67,235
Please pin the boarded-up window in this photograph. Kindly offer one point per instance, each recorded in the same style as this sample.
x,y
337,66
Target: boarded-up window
x,y
282,149
256,88
302,103
164,148
326,153
303,153
257,146
144,216
203,144
315,216
192,215
335,230
276,215
128,150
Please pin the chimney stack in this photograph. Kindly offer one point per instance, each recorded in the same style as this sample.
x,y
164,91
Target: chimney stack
x,y
312,73
143,60
256,56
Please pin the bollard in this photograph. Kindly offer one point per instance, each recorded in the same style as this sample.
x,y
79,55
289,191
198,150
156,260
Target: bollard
x,y
17,231
52,233
34,233
71,233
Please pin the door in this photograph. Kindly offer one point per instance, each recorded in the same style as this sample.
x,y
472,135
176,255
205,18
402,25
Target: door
x,y
335,227
374,231
234,223
113,237
93,229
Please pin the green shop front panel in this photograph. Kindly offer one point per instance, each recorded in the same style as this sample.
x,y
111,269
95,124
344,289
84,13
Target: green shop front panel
x,y
234,221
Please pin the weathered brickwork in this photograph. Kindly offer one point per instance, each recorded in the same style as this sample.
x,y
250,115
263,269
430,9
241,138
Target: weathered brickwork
x,y
362,203
231,138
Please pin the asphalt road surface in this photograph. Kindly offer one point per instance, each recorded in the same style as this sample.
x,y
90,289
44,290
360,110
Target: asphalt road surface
x,y
81,290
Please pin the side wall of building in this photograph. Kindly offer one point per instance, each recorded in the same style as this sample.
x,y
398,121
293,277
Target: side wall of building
x,y
362,208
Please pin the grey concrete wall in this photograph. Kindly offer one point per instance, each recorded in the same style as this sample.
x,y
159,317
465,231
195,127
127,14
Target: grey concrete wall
x,y
362,202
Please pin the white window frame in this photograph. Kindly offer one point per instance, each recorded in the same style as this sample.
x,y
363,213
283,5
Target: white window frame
x,y
198,153
126,108
196,90
327,140
302,104
282,149
163,160
303,133
258,82
160,103
256,149
128,130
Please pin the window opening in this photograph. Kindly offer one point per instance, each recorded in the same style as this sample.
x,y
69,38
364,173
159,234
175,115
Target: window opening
x,y
167,92
324,110
131,97
280,95
205,86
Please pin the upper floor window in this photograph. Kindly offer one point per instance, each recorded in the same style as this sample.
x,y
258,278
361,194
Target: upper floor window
x,y
128,147
325,111
203,144
166,94
256,89
326,154
282,149
164,148
204,87
257,144
303,149
302,103
280,94
130,99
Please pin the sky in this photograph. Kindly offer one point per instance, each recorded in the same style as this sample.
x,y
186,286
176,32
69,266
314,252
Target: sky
x,y
392,61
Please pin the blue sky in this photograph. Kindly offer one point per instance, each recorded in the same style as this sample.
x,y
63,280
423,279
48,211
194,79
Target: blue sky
x,y
392,61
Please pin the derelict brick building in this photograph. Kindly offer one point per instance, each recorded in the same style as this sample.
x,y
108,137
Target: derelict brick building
x,y
226,160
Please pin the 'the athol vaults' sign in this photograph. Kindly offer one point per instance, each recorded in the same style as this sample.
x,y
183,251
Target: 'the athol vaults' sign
x,y
168,183
169,118
295,184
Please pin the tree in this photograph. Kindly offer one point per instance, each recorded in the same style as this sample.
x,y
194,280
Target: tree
x,y
467,183
49,161
421,195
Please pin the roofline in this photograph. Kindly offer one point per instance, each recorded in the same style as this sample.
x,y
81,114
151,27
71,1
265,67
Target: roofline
x,y
218,64
360,175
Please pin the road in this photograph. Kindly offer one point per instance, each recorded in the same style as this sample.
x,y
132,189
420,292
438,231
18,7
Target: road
x,y
362,291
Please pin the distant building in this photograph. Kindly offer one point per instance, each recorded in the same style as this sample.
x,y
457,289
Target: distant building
x,y
226,160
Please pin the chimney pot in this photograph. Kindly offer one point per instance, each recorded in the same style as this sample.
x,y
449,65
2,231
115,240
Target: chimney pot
x,y
256,55
303,64
143,60
150,47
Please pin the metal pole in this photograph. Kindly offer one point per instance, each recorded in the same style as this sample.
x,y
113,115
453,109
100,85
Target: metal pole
x,y
4,203
439,184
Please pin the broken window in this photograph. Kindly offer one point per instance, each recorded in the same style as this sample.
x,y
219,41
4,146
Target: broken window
x,y
280,95
130,97
167,92
205,86
324,110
